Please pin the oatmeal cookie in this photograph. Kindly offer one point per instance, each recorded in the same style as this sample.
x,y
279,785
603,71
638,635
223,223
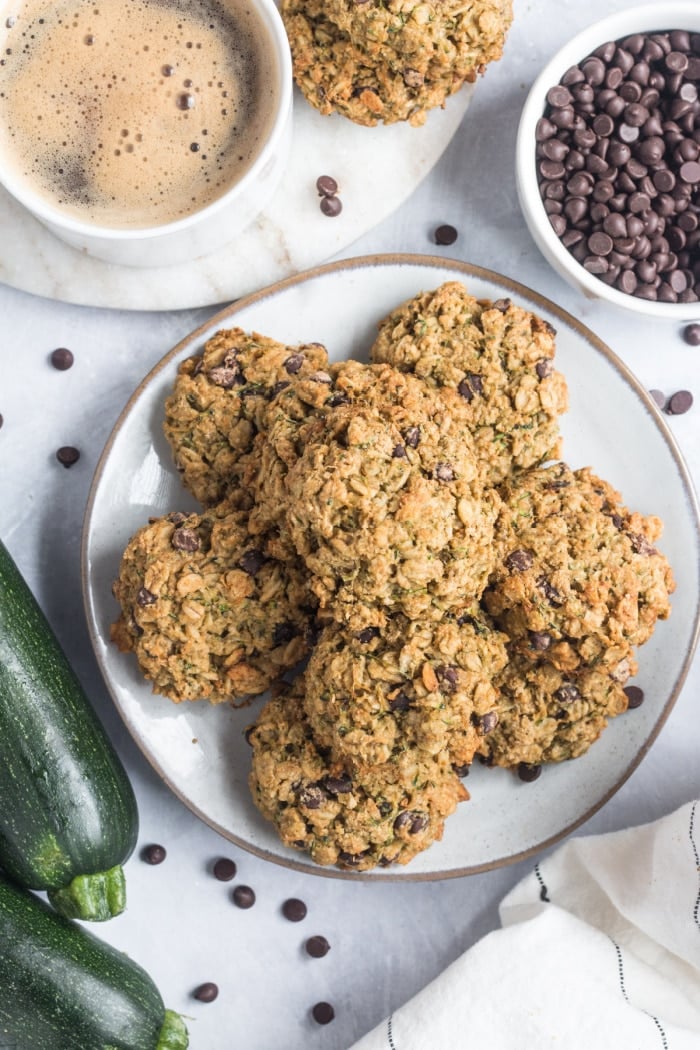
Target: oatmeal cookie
x,y
207,611
497,358
389,516
547,715
369,690
391,61
218,402
384,815
579,580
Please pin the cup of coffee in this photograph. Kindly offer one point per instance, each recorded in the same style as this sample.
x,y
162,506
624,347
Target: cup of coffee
x,y
143,132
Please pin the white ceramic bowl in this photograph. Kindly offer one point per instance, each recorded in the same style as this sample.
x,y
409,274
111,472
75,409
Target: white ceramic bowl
x,y
671,14
208,228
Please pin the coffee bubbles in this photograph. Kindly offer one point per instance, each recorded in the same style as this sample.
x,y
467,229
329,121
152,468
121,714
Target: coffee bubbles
x,y
133,113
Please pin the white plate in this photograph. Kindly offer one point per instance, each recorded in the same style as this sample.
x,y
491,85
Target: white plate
x,y
376,169
612,425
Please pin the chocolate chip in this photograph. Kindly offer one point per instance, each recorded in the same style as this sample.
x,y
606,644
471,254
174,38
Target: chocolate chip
x,y
153,854
462,771
399,702
326,186
145,597
185,540
445,235
412,436
679,403
399,452
323,1013
519,561
550,592
540,640
567,693
224,869
224,376
659,398
331,206
67,456
691,334
488,722
293,363
341,785
252,561
444,472
635,696
448,677
206,993
243,897
351,860
317,947
544,368
62,359
294,909
471,385
411,821
528,772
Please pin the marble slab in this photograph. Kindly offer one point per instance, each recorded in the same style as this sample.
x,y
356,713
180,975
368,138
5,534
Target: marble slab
x,y
376,169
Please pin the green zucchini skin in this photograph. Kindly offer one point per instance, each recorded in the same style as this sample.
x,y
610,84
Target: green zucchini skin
x,y
67,807
63,989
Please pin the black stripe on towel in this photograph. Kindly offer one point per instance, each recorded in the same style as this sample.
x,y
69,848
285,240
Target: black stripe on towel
x,y
544,896
389,1033
691,829
621,974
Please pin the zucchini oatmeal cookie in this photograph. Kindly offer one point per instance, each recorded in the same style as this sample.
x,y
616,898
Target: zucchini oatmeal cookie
x,y
497,358
384,815
549,716
392,60
218,402
208,611
389,517
579,581
368,690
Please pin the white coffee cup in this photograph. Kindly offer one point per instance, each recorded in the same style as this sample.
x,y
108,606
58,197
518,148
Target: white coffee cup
x,y
204,230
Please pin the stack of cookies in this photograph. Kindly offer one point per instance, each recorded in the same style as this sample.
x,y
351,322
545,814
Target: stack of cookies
x,y
393,523
390,60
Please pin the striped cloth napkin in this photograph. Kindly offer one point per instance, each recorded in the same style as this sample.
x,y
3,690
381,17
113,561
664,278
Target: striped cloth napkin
x,y
599,950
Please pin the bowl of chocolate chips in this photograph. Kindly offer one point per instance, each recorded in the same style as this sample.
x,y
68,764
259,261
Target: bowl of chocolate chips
x,y
608,160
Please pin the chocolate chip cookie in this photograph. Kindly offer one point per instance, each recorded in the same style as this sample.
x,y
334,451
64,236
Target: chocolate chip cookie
x,y
497,358
384,815
207,610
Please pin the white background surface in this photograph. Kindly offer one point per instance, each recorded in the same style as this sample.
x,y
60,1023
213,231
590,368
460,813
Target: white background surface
x,y
387,940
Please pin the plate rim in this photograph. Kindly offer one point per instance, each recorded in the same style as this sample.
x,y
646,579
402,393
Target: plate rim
x,y
467,269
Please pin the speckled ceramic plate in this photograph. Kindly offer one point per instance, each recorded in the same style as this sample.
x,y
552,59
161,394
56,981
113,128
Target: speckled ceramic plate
x,y
612,425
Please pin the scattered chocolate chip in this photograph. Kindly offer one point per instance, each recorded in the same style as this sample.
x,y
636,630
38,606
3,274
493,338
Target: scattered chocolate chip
x,y
691,334
185,540
448,677
243,897
252,561
224,376
679,403
550,592
444,472
62,359
544,368
153,854
412,436
67,456
399,702
341,785
519,561
528,772
293,363
462,771
224,869
331,206
488,722
321,377
641,544
322,1013
294,909
351,860
445,235
659,398
540,640
206,993
399,452
145,597
326,186
635,696
317,947
411,821
368,634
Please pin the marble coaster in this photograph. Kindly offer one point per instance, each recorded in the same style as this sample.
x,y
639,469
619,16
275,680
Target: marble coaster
x,y
376,170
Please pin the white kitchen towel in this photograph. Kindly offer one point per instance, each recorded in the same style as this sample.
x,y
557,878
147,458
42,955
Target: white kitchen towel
x,y
600,949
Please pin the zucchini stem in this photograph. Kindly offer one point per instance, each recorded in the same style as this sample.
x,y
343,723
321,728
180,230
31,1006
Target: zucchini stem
x,y
94,898
173,1034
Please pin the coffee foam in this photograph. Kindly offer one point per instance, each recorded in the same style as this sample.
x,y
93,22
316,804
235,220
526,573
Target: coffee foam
x,y
133,113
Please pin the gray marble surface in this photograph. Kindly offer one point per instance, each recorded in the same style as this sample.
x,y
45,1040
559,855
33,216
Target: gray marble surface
x,y
387,940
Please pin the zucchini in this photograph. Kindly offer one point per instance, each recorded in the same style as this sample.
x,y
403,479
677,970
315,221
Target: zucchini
x,y
63,989
68,816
